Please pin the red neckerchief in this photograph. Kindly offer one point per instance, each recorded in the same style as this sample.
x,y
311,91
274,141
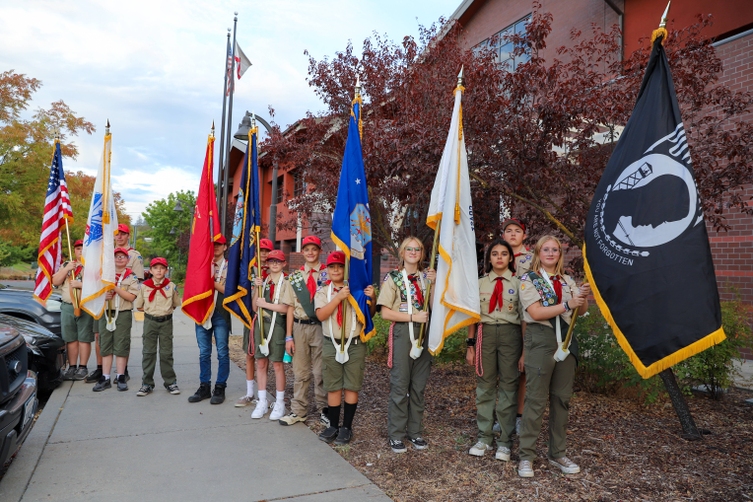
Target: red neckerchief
x,y
77,271
339,305
125,274
521,253
413,278
150,283
311,282
496,299
557,283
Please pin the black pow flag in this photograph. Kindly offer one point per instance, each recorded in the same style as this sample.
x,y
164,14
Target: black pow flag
x,y
647,253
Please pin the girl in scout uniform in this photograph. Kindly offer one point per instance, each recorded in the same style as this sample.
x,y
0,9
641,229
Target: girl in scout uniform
x,y
343,375
115,325
548,297
401,300
77,331
494,348
270,345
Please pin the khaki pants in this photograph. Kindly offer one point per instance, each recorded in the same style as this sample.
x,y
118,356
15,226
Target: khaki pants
x,y
307,363
546,380
408,377
158,333
501,346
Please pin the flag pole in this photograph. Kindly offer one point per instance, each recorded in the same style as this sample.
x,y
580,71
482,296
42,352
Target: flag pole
x,y
257,237
223,211
221,164
74,297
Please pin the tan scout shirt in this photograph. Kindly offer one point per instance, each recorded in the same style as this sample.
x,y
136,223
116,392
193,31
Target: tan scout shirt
x,y
510,312
65,291
285,294
292,299
136,263
529,295
160,306
523,263
397,300
130,283
219,278
320,300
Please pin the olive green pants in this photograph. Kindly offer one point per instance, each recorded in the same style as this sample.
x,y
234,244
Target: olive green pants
x,y
501,346
408,377
546,380
307,364
158,334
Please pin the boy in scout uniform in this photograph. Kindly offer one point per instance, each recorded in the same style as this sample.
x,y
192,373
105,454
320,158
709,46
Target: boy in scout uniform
x,y
115,323
265,246
306,346
219,328
77,331
401,300
269,343
346,376
494,348
158,297
514,231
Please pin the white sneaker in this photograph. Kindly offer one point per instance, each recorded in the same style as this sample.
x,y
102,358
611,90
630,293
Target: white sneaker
x,y
565,465
525,469
278,411
260,410
479,449
245,401
503,453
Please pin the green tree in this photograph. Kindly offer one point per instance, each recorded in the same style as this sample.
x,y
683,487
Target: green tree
x,y
169,229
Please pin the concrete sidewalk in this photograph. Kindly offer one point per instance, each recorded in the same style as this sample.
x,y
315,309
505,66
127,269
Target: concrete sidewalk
x,y
116,446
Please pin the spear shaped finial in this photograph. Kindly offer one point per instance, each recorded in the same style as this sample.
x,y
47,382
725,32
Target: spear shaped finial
x,y
358,85
460,76
107,127
663,22
253,120
213,128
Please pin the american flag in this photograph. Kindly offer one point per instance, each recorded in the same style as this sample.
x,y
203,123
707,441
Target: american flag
x,y
57,209
229,78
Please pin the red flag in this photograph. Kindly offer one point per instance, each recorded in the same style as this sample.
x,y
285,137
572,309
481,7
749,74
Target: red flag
x,y
57,209
198,292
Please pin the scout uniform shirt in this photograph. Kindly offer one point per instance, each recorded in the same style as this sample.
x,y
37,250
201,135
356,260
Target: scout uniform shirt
x,y
129,283
220,276
523,262
398,302
299,287
320,300
160,305
270,291
531,292
65,291
509,310
136,263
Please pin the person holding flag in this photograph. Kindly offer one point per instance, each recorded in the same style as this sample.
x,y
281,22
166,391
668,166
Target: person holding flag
x,y
352,305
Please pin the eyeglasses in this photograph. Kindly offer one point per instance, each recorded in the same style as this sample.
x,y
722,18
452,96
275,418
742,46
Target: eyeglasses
x,y
413,250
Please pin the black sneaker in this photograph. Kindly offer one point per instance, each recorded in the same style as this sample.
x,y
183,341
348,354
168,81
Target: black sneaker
x,y
203,392
145,390
127,376
80,373
344,436
419,443
94,376
218,397
122,385
68,374
329,434
324,417
397,446
104,383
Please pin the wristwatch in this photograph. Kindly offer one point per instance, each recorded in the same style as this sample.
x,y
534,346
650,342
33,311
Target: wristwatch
x,y
470,342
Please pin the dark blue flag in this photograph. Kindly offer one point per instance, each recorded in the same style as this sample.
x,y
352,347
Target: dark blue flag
x,y
246,225
647,253
351,222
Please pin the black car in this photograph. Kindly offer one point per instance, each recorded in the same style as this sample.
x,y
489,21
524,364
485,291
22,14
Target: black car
x,y
20,303
46,350
18,392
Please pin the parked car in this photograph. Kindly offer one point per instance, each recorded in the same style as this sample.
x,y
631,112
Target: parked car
x,y
18,392
20,303
46,351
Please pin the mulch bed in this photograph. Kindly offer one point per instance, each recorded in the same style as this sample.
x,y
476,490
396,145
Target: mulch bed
x,y
626,451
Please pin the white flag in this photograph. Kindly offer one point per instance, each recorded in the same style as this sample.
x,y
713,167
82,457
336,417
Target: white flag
x,y
98,255
242,63
456,299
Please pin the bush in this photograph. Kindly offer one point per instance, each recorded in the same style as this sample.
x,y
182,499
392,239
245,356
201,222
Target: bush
x,y
10,254
454,345
713,369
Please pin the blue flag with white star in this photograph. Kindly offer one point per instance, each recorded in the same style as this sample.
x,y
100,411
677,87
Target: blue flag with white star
x,y
351,222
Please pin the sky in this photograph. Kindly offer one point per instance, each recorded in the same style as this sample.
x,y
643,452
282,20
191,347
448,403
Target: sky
x,y
156,71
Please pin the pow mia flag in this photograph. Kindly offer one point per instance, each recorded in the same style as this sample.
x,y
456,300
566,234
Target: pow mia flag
x,y
647,254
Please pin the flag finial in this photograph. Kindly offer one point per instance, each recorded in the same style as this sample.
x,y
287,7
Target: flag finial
x,y
358,86
107,127
460,76
663,22
213,128
253,120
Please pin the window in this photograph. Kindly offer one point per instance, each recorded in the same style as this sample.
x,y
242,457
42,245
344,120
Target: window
x,y
280,189
503,48
300,184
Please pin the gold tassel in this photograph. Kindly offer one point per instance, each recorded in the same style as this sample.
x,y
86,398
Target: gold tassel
x,y
659,32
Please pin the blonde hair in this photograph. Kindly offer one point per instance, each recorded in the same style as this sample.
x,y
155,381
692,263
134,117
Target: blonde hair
x,y
559,269
401,251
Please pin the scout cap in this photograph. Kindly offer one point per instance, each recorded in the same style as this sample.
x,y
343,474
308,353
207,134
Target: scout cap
x,y
266,244
78,243
124,228
221,240
121,250
276,254
158,261
513,221
312,239
336,257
